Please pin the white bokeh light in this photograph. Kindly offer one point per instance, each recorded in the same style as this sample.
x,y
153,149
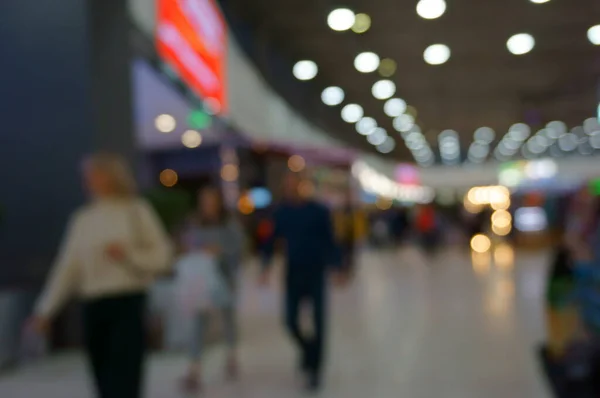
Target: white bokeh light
x,y
484,135
519,132
383,89
165,123
431,9
191,139
394,107
332,96
341,19
387,146
305,70
352,113
539,1
556,129
437,54
378,136
593,35
404,123
366,125
520,44
366,62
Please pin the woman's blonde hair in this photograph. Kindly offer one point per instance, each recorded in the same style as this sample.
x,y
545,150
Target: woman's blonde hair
x,y
117,169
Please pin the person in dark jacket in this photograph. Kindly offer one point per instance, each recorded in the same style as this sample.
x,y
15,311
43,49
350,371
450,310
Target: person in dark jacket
x,y
305,229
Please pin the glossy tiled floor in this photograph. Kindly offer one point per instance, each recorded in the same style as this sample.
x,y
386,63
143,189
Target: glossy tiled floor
x,y
407,327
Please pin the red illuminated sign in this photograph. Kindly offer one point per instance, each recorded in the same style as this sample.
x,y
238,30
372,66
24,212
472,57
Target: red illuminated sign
x,y
192,38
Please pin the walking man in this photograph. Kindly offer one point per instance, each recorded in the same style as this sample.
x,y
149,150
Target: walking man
x,y
304,228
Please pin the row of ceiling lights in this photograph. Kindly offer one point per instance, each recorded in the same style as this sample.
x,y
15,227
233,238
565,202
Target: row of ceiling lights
x,y
367,62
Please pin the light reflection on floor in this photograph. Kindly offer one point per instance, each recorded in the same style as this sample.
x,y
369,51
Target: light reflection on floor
x,y
461,326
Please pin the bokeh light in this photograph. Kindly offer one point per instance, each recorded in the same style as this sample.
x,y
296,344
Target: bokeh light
x,y
481,244
520,44
387,67
230,172
305,70
366,125
504,256
383,89
168,178
306,189
394,107
437,54
332,96
191,139
501,219
296,163
593,35
366,62
352,113
245,204
362,23
431,9
165,123
341,19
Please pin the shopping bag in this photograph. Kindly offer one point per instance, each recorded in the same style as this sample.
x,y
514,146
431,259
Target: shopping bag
x,y
200,284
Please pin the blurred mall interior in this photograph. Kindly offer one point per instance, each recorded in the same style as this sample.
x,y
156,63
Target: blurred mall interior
x,y
455,143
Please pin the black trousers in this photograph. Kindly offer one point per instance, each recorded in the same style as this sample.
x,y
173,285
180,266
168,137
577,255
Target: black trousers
x,y
115,340
301,291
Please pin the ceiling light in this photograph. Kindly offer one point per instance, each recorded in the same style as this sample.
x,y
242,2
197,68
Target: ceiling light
x,y
352,113
519,132
378,136
305,70
366,125
568,142
591,125
383,89
332,96
366,62
394,107
593,35
341,19
387,67
539,1
437,54
362,23
165,123
520,44
431,9
388,145
484,135
556,129
404,123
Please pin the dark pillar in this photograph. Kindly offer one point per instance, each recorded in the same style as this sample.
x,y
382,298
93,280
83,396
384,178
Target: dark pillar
x,y
65,92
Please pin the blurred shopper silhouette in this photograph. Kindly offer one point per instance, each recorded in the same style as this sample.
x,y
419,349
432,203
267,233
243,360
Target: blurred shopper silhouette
x,y
426,224
114,247
212,231
304,227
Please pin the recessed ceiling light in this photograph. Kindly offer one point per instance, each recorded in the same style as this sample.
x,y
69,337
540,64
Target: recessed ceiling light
x,y
366,62
366,125
383,89
484,135
520,44
362,23
404,123
352,113
387,67
539,1
593,35
332,96
305,70
394,107
378,136
431,9
341,19
437,54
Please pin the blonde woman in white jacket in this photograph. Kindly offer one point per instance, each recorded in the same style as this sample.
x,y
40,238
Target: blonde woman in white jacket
x,y
113,248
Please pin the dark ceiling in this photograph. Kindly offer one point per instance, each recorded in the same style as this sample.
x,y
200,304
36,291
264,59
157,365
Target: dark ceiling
x,y
481,85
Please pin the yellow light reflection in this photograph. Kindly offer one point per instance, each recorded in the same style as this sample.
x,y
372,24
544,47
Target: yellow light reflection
x,y
504,256
362,23
387,67
245,205
471,207
481,263
481,244
501,219
502,231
